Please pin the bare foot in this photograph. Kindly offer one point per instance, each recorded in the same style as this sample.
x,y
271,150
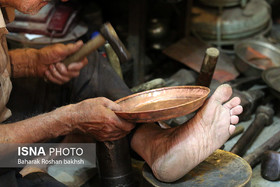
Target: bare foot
x,y
171,153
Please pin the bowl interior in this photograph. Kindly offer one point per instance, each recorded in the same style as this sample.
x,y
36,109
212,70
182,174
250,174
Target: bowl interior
x,y
266,49
161,99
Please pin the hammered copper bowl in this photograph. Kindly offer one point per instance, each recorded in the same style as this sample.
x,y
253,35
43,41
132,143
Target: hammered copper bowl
x,y
246,67
162,103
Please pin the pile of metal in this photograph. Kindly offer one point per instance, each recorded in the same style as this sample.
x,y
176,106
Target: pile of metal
x,y
223,22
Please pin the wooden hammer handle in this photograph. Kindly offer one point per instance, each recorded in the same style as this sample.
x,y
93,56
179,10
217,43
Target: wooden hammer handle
x,y
272,143
85,50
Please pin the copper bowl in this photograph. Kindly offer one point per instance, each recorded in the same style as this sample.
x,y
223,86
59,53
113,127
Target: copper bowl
x,y
162,103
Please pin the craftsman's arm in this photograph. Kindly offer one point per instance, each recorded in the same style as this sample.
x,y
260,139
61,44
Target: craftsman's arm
x,y
39,128
94,117
46,62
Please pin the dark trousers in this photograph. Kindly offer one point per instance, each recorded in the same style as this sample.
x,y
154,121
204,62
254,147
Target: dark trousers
x,y
13,179
32,96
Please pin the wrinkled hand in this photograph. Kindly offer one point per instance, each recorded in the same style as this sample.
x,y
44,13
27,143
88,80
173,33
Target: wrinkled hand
x,y
96,117
50,66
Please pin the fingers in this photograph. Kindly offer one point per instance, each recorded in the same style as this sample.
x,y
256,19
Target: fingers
x,y
114,134
106,137
49,76
106,103
121,127
119,122
60,74
55,71
57,74
77,66
113,128
125,125
101,121
73,47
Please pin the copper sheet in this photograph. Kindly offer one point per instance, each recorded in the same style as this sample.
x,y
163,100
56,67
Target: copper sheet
x,y
190,51
162,104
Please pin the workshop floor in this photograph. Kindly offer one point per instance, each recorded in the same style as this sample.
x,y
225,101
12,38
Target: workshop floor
x,y
257,180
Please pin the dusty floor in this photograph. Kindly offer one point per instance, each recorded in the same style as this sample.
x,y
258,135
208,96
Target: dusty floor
x,y
257,180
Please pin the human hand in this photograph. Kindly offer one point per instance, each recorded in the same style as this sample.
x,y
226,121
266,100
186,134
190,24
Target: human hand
x,y
96,117
27,6
50,66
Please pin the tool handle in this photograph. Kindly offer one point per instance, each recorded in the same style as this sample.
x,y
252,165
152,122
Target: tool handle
x,y
85,50
111,36
248,137
271,144
238,130
208,67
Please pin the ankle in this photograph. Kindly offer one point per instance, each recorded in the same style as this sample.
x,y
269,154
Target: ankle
x,y
147,141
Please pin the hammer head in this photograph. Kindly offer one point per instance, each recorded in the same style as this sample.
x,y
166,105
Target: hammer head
x,y
270,166
109,34
268,112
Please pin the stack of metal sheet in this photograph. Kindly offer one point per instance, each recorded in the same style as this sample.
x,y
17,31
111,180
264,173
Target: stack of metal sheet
x,y
224,24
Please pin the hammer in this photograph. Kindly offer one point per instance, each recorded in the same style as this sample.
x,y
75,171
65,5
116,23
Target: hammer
x,y
270,166
255,157
113,157
107,33
263,117
250,100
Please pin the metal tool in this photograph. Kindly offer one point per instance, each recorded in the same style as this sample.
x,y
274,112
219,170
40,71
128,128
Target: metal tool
x,y
162,103
250,100
272,143
114,163
208,67
270,166
263,117
107,33
152,84
113,59
113,157
245,83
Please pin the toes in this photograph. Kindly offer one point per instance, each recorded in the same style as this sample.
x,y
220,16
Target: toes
x,y
236,110
222,93
234,119
233,103
231,129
